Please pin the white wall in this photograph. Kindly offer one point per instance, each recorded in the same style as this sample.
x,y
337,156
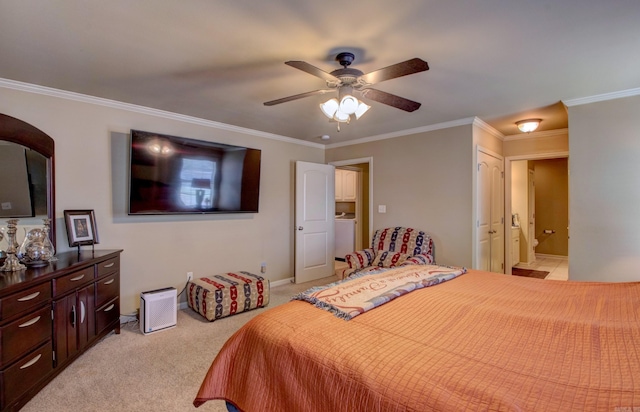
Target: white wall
x,y
604,191
91,173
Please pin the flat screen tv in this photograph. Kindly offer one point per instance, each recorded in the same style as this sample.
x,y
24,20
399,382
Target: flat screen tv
x,y
177,175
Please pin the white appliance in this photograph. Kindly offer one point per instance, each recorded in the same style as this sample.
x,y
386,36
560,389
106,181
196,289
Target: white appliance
x,y
158,310
345,232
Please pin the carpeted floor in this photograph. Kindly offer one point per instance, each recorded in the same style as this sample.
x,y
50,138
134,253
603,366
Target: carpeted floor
x,y
529,273
161,371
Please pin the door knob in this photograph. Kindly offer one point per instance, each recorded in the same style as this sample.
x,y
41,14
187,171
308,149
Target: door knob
x,y
300,228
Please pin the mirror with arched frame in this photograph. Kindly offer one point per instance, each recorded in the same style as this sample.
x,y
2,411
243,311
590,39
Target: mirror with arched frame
x,y
38,148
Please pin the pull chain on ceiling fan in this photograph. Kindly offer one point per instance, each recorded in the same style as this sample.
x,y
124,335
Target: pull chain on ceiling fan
x,y
349,81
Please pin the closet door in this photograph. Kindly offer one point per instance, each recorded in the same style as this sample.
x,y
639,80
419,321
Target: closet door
x,y
490,213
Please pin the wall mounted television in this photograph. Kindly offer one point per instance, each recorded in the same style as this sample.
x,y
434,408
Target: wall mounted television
x,y
178,175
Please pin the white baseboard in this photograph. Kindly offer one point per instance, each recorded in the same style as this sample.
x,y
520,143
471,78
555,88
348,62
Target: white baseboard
x,y
280,282
542,256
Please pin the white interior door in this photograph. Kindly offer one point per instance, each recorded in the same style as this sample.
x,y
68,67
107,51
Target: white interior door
x,y
314,221
497,216
484,215
490,213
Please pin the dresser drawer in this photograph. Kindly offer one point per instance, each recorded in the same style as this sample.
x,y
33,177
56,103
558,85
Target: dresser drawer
x,y
21,336
21,302
107,314
107,289
108,266
26,373
72,281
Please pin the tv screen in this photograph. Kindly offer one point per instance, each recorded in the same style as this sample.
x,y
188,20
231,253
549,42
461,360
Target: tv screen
x,y
177,175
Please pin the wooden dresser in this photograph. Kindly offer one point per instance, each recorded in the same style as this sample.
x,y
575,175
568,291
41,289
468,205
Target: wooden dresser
x,y
50,315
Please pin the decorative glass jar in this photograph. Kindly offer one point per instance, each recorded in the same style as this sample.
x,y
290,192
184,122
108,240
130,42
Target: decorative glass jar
x,y
37,249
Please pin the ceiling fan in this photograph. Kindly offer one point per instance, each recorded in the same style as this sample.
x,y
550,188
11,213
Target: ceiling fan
x,y
348,80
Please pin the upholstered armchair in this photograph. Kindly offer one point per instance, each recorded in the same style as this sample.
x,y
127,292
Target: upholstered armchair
x,y
391,247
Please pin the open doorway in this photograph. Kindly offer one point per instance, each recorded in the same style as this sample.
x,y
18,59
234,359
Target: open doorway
x,y
537,199
359,208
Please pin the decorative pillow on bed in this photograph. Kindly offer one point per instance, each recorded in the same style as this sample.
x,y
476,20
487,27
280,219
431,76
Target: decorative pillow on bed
x,y
386,259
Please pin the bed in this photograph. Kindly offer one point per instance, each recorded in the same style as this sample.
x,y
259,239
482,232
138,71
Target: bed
x,y
480,341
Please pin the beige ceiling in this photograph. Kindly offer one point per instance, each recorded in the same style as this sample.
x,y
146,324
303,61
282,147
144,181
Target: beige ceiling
x,y
499,60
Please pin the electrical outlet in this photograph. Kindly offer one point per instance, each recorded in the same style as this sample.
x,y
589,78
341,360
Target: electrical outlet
x,y
189,276
263,267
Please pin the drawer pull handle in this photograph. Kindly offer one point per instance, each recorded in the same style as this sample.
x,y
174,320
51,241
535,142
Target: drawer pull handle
x,y
77,278
31,362
108,308
110,281
82,312
30,322
108,265
29,297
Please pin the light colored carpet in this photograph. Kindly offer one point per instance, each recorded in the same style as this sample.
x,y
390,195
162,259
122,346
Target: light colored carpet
x,y
157,372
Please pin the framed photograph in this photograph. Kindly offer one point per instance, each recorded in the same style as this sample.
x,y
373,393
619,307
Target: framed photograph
x,y
81,227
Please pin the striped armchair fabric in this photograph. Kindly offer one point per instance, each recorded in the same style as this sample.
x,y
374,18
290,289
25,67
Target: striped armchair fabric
x,y
390,247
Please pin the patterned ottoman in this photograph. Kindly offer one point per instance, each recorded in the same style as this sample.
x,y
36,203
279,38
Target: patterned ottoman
x,y
226,294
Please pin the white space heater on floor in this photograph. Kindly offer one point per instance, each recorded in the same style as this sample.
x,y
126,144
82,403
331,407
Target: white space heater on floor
x,y
158,310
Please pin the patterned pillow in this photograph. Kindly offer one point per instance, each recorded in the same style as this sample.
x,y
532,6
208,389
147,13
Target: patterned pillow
x,y
360,259
386,259
421,259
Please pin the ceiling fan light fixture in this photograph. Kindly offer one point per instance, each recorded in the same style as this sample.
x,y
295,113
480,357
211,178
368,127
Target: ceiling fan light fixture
x,y
330,107
528,125
349,104
341,117
348,80
362,109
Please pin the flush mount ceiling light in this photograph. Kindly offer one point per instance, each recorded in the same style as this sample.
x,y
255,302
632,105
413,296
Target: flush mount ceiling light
x,y
528,125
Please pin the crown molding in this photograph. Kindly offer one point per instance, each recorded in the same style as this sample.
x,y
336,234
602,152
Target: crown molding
x,y
114,104
602,97
487,128
407,132
537,135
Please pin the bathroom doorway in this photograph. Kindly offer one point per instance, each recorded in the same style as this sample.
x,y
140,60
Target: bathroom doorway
x,y
537,199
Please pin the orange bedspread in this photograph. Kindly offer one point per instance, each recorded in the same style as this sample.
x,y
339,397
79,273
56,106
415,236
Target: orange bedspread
x,y
482,341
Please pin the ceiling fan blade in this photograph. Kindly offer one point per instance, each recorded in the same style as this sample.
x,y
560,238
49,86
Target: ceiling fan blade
x,y
396,70
312,70
391,100
298,96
